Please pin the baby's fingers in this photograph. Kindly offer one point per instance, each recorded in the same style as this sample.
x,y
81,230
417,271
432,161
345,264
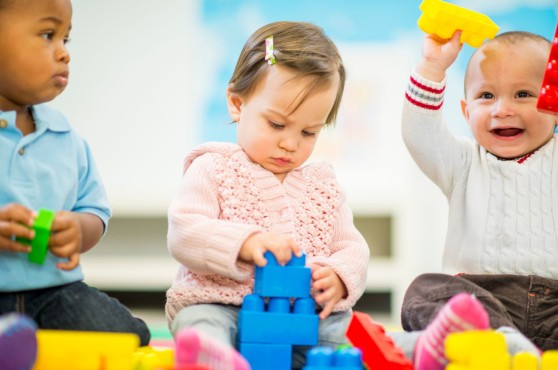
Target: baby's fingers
x,y
11,245
258,257
72,263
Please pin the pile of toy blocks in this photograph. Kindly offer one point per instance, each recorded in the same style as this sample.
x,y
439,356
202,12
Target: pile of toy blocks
x,y
279,315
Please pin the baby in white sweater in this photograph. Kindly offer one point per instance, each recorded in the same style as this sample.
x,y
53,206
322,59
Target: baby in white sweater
x,y
502,234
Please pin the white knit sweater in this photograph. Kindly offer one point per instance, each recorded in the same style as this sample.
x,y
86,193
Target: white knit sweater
x,y
502,213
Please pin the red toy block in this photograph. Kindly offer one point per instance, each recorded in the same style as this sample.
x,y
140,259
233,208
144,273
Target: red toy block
x,y
548,97
378,350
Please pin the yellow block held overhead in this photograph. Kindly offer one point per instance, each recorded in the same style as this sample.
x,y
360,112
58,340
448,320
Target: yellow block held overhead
x,y
81,350
443,19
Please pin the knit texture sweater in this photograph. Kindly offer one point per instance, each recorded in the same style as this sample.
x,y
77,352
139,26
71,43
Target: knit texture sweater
x,y
502,213
224,198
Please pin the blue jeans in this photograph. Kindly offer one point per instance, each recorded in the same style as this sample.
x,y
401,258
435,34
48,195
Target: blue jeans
x,y
74,306
220,322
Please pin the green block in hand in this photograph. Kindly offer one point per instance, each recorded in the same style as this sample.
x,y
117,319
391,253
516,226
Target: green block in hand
x,y
39,244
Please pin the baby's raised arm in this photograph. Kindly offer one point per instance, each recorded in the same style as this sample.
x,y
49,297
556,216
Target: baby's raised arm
x,y
437,56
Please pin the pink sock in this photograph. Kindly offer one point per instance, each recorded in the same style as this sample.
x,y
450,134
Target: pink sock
x,y
462,312
195,348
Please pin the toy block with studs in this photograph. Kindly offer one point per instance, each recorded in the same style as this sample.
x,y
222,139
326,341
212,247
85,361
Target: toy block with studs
x,y
291,280
443,19
378,350
325,358
548,97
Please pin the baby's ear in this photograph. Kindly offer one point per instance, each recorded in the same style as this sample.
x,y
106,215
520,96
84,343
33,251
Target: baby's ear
x,y
464,109
234,104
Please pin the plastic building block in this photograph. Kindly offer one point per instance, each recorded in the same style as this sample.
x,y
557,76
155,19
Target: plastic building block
x,y
477,350
443,19
378,350
525,361
39,244
267,356
291,280
549,360
267,331
82,350
325,358
548,97
150,358
278,324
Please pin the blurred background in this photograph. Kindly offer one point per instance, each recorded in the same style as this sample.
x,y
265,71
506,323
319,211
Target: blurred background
x,y
148,81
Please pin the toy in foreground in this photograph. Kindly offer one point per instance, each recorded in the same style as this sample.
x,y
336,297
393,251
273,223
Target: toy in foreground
x,y
378,350
267,332
548,97
443,19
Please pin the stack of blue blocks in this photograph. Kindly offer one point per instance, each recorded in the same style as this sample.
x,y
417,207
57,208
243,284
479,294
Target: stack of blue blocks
x,y
278,315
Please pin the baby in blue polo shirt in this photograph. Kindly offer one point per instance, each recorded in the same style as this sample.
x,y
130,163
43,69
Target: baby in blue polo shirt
x,y
45,164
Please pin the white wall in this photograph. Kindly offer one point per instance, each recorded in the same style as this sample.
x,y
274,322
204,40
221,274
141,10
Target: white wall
x,y
134,93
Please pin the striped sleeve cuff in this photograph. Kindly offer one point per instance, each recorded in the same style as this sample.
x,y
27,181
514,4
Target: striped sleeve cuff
x,y
424,93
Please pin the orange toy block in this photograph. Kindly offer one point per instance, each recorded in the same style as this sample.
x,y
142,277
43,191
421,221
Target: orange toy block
x,y
378,350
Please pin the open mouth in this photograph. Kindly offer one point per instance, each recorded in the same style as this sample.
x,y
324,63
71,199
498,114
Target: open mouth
x,y
507,132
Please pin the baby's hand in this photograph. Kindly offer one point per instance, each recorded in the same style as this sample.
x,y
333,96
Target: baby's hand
x,y
281,245
329,286
438,55
15,221
65,240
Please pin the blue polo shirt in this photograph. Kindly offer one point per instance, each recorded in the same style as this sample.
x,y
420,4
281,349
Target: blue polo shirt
x,y
50,168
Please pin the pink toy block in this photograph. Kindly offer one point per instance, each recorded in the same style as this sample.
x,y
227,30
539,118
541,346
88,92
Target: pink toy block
x,y
548,97
378,350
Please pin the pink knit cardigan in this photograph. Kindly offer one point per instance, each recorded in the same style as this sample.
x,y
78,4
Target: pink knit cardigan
x,y
224,198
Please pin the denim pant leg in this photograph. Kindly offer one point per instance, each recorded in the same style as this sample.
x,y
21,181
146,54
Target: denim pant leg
x,y
77,306
331,333
428,293
215,320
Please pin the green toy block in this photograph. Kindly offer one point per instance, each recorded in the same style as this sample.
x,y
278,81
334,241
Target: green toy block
x,y
39,244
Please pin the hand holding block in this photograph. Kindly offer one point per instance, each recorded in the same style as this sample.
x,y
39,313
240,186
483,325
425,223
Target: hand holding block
x,y
39,244
443,19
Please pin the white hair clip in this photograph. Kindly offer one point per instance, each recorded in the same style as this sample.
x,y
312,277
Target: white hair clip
x,y
269,50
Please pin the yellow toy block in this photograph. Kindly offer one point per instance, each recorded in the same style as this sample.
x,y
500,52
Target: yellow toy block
x,y
82,350
525,361
550,360
443,19
477,350
150,358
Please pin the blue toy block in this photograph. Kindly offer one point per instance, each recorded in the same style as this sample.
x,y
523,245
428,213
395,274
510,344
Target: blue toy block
x,y
278,324
291,280
325,358
267,356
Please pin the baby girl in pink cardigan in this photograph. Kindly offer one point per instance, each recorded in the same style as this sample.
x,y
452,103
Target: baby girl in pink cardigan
x,y
238,201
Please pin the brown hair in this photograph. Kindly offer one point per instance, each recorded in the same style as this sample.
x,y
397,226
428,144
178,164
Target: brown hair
x,y
302,47
508,38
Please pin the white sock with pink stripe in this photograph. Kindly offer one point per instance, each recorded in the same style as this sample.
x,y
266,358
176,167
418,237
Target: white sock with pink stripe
x,y
195,348
462,312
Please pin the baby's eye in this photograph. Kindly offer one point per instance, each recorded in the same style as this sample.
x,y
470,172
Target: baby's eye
x,y
524,94
47,35
276,125
67,40
308,133
486,95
